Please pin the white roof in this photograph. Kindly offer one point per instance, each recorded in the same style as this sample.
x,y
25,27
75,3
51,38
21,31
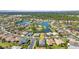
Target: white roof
x,y
54,33
36,34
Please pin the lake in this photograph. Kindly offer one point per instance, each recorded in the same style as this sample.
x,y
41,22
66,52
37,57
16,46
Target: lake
x,y
46,24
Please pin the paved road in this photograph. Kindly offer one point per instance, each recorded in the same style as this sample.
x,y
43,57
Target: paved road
x,y
73,47
32,44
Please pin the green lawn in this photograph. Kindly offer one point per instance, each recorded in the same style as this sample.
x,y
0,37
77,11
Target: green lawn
x,y
57,47
7,44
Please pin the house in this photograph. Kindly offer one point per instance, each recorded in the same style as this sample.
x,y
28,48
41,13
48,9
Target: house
x,y
50,41
58,41
41,42
55,33
36,34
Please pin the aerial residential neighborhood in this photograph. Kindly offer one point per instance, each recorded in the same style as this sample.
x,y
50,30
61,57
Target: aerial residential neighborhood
x,y
39,31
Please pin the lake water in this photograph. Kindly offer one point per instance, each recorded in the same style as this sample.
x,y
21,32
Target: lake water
x,y
46,24
24,22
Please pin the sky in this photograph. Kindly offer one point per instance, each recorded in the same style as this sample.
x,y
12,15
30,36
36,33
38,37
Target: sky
x,y
39,5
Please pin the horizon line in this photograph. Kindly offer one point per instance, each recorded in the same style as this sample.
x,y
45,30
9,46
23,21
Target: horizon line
x,y
37,10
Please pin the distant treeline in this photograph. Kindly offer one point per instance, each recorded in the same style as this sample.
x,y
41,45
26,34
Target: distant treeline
x,y
56,15
40,13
